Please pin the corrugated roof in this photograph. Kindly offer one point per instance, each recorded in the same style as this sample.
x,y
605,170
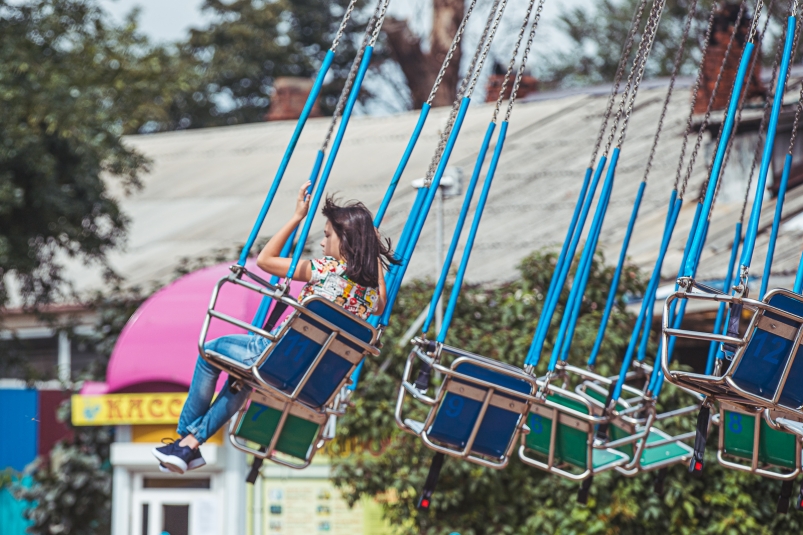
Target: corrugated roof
x,y
206,186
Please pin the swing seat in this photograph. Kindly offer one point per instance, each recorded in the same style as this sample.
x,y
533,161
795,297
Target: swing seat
x,y
284,432
765,371
569,445
744,435
315,353
478,410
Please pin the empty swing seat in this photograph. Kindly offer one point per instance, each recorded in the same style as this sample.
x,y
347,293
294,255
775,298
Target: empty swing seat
x,y
315,353
570,443
765,371
744,435
478,411
289,439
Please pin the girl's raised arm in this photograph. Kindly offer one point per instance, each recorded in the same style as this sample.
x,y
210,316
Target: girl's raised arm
x,y
270,259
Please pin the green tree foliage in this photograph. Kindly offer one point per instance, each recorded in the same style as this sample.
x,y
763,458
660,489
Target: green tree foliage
x,y
251,43
71,491
68,91
498,322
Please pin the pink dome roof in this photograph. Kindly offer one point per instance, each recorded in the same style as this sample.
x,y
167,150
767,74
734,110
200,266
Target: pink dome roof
x,y
159,344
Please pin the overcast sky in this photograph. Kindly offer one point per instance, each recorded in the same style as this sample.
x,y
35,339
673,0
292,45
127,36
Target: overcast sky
x,y
169,20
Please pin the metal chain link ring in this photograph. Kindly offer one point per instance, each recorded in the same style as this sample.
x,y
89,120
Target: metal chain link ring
x,y
343,23
694,93
672,78
776,63
524,57
707,117
617,80
512,61
455,42
355,67
447,130
486,48
379,21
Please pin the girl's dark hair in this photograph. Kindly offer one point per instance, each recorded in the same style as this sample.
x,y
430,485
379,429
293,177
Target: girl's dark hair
x,y
360,243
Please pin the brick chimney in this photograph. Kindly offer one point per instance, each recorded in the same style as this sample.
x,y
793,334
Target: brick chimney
x,y
528,84
289,96
721,32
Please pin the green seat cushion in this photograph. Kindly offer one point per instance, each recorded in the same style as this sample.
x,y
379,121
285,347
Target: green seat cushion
x,y
259,425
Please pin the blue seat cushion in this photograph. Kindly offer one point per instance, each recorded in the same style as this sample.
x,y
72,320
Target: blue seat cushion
x,y
457,414
293,354
762,364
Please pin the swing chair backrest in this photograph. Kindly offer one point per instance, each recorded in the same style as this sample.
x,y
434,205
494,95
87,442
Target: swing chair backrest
x,y
744,434
763,367
458,412
317,349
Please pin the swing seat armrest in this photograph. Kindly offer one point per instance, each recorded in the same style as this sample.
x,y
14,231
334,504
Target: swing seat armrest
x,y
709,337
417,395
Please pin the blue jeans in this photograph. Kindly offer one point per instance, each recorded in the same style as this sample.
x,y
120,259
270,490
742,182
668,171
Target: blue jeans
x,y
198,417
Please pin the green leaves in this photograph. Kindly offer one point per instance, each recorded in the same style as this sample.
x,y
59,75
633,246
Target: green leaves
x,y
498,322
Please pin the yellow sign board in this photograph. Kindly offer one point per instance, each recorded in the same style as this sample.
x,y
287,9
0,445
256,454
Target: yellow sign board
x,y
124,409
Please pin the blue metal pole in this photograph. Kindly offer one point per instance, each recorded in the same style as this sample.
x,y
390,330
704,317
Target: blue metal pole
x,y
617,275
472,233
586,258
422,118
776,222
799,277
713,350
311,99
461,220
330,161
653,285
769,143
427,203
727,129
537,346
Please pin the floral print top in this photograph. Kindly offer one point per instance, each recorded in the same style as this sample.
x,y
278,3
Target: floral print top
x,y
329,281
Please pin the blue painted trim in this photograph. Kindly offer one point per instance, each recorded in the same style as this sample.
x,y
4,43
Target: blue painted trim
x,y
539,338
569,318
714,348
776,222
461,220
730,116
472,234
617,275
769,144
422,118
422,216
288,153
330,161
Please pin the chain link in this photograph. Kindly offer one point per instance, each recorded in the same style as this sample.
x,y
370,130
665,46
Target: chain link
x,y
628,46
675,70
486,48
765,117
447,130
740,106
796,121
380,19
645,53
455,42
707,117
754,25
524,57
343,23
355,66
694,94
513,56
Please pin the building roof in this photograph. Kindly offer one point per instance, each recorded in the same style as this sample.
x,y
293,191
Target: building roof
x,y
206,186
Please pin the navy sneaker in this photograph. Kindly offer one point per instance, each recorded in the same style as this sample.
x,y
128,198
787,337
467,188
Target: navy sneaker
x,y
178,458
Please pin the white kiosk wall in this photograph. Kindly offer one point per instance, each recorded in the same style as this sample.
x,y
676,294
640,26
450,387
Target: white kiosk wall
x,y
207,501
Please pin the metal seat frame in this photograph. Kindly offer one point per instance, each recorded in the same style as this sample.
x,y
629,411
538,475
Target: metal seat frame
x,y
722,387
326,423
433,359
776,420
249,375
